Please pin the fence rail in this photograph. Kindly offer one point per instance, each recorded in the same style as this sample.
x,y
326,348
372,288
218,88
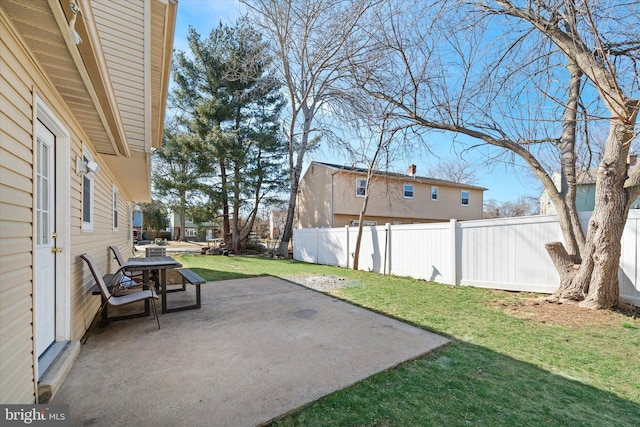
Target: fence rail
x,y
504,254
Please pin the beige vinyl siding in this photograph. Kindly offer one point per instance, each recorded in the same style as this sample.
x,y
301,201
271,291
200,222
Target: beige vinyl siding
x,y
327,198
121,28
20,75
16,344
314,198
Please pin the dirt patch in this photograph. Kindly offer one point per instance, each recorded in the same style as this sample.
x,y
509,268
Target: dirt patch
x,y
567,314
322,283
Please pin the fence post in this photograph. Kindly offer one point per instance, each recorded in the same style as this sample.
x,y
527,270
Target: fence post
x,y
346,232
454,251
387,249
317,244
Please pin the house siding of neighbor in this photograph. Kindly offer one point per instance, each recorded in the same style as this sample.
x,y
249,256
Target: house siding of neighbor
x,y
327,198
211,229
585,191
63,104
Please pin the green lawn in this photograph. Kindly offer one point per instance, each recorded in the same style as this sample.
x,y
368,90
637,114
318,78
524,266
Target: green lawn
x,y
499,370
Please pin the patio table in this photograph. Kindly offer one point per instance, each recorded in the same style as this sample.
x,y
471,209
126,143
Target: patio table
x,y
160,264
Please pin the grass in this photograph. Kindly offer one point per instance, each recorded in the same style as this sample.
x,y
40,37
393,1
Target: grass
x,y
499,370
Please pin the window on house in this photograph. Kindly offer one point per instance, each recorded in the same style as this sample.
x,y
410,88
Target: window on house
x,y
191,232
115,208
87,197
435,193
409,190
356,223
464,198
361,187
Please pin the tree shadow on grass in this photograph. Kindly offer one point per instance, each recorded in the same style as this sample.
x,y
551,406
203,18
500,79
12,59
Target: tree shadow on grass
x,y
465,384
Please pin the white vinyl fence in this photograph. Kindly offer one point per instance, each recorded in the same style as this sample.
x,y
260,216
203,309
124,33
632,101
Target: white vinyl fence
x,y
506,253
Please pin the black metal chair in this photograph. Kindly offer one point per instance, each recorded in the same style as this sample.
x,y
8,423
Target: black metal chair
x,y
109,289
118,257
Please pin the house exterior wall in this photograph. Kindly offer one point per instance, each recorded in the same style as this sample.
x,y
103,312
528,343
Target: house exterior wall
x,y
22,83
314,202
327,198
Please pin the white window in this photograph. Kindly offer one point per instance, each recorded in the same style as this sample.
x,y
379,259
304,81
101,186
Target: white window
x,y
356,223
115,208
361,187
191,232
87,195
435,192
409,191
464,198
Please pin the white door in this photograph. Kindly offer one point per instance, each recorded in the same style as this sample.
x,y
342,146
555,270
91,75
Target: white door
x,y
45,272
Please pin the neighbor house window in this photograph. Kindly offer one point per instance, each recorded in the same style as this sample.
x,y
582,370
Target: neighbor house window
x,y
361,187
191,232
435,192
87,196
356,223
464,198
409,190
115,208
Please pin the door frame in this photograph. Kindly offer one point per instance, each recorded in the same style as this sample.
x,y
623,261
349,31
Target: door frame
x,y
62,206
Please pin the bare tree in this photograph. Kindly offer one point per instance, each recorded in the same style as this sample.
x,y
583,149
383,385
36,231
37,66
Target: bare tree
x,y
312,42
456,170
383,141
531,78
524,206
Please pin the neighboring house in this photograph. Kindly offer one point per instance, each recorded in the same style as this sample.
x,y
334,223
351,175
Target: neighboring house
x,y
137,222
191,228
585,191
78,122
277,220
332,196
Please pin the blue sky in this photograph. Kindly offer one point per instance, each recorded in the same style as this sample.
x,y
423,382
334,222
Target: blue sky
x,y
504,183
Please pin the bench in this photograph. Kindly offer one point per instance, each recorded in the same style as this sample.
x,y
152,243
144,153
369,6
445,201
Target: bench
x,y
188,276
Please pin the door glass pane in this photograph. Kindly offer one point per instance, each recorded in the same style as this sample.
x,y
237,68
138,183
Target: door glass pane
x,y
43,159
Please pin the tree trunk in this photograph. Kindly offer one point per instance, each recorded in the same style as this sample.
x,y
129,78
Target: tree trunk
x,y
226,226
295,179
235,221
356,252
183,203
597,279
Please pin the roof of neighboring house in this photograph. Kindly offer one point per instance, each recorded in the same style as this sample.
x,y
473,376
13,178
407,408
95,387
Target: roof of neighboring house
x,y
401,176
587,176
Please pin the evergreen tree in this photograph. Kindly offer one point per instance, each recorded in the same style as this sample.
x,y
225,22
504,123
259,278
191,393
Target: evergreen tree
x,y
229,98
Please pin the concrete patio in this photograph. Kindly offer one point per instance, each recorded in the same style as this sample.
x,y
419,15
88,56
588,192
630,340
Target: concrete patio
x,y
257,349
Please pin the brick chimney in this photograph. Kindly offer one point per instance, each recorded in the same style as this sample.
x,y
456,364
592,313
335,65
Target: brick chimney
x,y
632,159
412,170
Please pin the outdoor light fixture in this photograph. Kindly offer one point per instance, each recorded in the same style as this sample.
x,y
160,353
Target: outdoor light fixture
x,y
86,169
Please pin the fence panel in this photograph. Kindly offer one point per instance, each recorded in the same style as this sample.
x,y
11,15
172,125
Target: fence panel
x,y
306,245
508,253
504,254
372,247
629,271
423,251
331,246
